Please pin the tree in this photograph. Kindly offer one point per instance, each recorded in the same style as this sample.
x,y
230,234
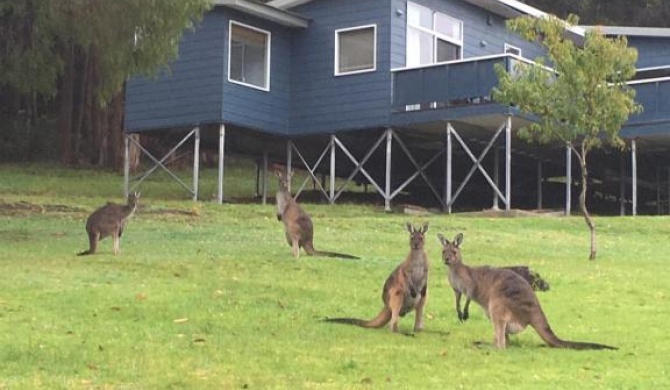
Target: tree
x,y
583,102
78,54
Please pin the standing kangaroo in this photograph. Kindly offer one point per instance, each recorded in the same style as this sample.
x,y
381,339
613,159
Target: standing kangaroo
x,y
109,220
532,277
507,298
405,289
297,223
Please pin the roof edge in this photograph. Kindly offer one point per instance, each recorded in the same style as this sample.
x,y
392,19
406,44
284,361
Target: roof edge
x,y
267,12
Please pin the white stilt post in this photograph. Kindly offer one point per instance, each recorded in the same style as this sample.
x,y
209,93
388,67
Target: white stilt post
x,y
196,163
496,176
222,155
331,190
387,195
633,156
568,180
447,194
289,160
539,185
508,163
126,166
265,177
622,185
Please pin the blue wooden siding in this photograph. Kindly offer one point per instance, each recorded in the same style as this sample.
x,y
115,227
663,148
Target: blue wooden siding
x,y
654,96
189,92
249,107
484,33
196,89
305,96
322,102
652,52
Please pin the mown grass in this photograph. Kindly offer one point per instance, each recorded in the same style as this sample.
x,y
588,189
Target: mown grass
x,y
208,296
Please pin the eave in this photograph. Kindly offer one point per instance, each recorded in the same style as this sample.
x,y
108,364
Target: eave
x,y
266,12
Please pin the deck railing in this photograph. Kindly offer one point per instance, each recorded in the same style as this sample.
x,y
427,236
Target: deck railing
x,y
470,82
654,96
448,84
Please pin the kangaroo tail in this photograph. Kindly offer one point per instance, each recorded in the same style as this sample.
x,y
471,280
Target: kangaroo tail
x,y
84,253
382,319
584,345
532,277
334,254
549,337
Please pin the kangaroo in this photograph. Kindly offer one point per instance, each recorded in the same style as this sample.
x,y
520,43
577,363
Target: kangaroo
x,y
298,224
507,298
109,220
405,289
532,277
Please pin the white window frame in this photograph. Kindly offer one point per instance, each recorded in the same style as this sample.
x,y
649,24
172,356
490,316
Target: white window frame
x,y
436,35
337,50
507,47
268,50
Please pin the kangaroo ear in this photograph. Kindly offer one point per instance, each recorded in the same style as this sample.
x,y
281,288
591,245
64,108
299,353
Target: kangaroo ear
x,y
424,229
443,239
410,228
458,240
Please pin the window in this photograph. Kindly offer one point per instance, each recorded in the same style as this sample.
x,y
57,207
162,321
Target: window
x,y
355,50
249,56
432,36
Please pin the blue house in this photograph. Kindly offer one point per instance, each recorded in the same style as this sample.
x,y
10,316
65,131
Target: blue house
x,y
393,93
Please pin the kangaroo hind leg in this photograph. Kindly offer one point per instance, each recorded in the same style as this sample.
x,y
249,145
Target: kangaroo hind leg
x,y
395,304
418,319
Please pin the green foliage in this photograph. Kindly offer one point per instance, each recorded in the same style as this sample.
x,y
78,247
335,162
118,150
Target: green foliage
x,y
586,100
214,300
29,58
38,33
129,37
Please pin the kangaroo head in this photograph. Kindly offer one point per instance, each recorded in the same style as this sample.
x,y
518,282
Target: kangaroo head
x,y
451,250
283,179
416,236
133,199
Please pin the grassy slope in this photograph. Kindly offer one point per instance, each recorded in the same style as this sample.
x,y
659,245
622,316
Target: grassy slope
x,y
208,296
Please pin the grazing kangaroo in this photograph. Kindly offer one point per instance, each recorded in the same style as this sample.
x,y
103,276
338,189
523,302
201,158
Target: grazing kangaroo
x,y
507,298
297,223
533,278
405,289
109,220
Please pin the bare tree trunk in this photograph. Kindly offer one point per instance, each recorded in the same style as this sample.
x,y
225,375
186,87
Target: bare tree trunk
x,y
116,131
65,110
582,203
81,106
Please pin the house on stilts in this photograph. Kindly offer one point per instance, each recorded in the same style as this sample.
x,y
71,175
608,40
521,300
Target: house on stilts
x,y
396,94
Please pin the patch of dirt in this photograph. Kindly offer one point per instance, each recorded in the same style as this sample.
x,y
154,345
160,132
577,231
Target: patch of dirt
x,y
26,208
189,213
22,208
513,213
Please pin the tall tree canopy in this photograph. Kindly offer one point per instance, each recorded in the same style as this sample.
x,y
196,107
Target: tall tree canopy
x,y
582,102
80,52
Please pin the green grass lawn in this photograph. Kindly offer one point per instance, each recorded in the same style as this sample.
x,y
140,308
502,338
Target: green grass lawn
x,y
207,296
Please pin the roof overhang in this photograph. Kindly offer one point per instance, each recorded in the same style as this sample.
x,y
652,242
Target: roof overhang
x,y
265,11
512,9
652,32
286,4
